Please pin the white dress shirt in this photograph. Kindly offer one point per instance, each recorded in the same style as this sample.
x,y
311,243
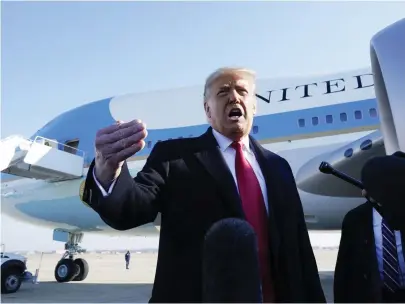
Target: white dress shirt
x,y
229,155
105,193
377,223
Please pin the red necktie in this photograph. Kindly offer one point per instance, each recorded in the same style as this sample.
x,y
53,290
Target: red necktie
x,y
256,214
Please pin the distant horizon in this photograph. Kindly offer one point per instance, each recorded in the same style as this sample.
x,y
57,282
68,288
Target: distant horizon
x,y
98,251
320,239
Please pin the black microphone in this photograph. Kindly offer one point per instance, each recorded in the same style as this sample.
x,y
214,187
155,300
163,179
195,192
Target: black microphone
x,y
383,178
326,168
230,263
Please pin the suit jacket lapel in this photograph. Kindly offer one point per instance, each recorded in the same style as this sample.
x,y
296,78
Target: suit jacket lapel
x,y
209,154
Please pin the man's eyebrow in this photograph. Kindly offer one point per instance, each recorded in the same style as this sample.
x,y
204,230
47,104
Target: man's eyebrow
x,y
224,86
242,86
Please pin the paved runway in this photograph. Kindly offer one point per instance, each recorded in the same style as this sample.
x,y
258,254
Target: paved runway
x,y
109,281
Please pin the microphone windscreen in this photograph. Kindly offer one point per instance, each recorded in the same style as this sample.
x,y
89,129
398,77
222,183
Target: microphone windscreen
x,y
230,263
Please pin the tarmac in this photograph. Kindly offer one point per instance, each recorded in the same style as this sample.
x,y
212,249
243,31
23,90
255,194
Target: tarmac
x,y
109,282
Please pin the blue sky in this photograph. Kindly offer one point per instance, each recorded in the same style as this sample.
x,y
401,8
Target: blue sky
x,y
58,55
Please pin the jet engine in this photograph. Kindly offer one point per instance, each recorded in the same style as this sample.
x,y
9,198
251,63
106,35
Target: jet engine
x,y
387,52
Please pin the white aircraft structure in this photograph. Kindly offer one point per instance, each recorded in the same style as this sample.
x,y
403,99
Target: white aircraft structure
x,y
344,119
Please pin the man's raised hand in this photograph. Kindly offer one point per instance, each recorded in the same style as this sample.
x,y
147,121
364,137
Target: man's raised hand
x,y
114,144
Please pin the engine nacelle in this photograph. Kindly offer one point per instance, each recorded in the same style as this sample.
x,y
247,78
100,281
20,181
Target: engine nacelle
x,y
387,51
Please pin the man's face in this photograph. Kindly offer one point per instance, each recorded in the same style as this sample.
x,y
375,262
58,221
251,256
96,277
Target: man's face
x,y
231,105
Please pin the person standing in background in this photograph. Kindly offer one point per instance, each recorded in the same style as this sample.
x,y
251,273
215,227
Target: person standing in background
x,y
127,258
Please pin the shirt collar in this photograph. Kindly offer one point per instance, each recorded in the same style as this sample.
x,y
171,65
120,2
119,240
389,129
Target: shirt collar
x,y
224,142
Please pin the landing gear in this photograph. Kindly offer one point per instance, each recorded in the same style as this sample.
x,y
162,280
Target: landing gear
x,y
70,269
83,270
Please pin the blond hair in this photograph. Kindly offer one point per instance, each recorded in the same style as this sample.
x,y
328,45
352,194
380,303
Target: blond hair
x,y
224,71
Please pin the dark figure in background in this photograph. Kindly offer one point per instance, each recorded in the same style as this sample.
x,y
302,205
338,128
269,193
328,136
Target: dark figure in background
x,y
195,182
127,258
371,264
384,179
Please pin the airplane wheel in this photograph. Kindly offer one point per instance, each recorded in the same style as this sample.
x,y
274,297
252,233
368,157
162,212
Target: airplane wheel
x,y
84,269
65,270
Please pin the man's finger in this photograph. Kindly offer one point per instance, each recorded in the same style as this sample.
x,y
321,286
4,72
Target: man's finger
x,y
129,141
121,144
119,134
130,151
117,126
109,129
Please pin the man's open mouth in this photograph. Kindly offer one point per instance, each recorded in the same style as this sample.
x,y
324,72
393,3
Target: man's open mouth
x,y
235,113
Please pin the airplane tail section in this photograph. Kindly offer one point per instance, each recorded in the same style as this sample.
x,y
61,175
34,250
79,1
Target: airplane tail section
x,y
40,158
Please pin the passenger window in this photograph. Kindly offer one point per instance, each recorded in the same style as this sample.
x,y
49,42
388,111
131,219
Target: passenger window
x,y
349,152
357,114
315,121
301,122
373,112
329,119
255,129
367,144
343,117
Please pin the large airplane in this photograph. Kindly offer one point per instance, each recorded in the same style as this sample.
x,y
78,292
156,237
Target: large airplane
x,y
344,119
